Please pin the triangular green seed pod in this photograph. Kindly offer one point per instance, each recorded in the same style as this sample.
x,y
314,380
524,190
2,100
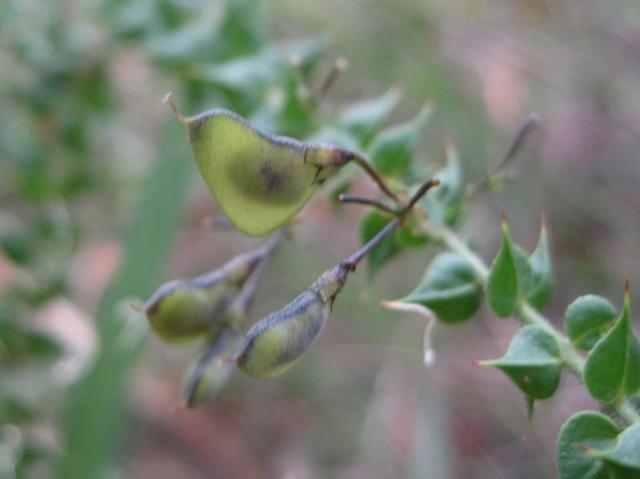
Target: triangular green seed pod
x,y
260,180
183,310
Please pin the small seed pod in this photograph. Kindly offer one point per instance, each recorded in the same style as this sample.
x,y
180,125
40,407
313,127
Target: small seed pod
x,y
260,180
183,310
211,369
274,343
209,373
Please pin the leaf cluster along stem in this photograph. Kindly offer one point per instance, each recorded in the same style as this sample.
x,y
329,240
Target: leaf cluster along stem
x,y
571,358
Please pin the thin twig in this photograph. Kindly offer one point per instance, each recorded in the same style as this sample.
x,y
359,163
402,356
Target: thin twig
x,y
426,186
375,176
338,67
362,200
516,146
356,257
168,100
524,132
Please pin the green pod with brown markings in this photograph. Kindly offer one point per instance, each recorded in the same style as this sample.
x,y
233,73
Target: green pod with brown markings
x,y
259,180
274,343
183,310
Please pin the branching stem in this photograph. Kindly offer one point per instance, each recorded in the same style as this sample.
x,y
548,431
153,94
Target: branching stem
x,y
352,261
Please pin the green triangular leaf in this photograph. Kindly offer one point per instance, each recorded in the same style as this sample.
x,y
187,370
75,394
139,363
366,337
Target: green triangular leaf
x,y
582,433
363,118
445,204
587,319
613,366
246,75
532,362
540,261
449,288
180,46
392,150
502,284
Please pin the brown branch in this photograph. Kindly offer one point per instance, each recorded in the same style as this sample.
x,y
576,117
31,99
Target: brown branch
x,y
362,200
352,261
375,176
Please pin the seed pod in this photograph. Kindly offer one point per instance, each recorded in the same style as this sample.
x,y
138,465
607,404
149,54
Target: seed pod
x,y
274,343
211,369
185,309
259,180
208,374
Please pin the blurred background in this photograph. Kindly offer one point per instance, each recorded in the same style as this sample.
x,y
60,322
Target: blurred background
x,y
100,202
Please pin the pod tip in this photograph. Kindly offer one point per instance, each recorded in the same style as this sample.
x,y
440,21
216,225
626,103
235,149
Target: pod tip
x,y
167,100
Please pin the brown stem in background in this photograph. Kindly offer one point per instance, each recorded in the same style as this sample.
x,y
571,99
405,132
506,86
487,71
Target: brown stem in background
x,y
338,67
524,132
516,146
